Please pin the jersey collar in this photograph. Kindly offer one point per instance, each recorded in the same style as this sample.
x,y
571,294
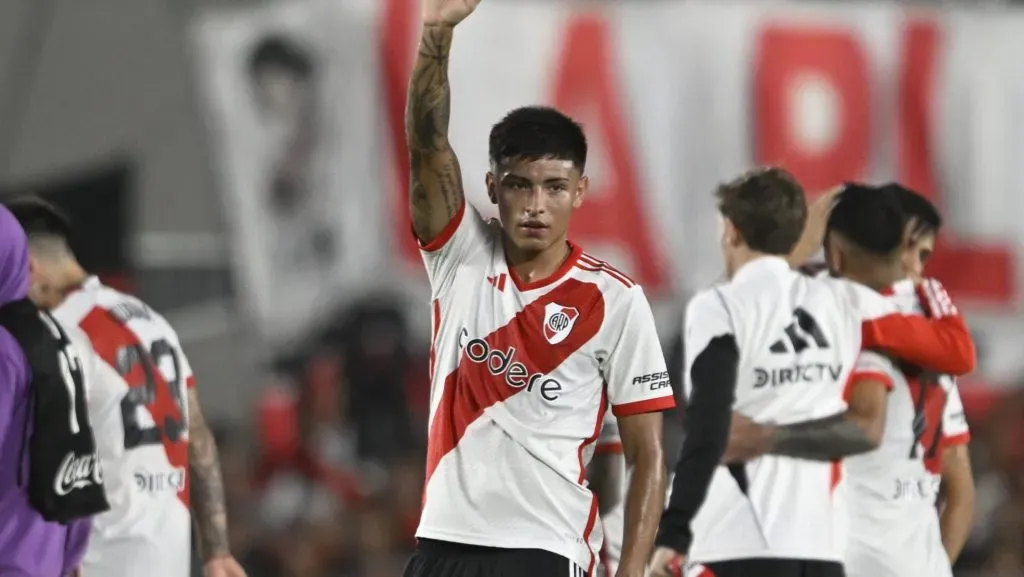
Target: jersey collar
x,y
522,286
773,265
900,287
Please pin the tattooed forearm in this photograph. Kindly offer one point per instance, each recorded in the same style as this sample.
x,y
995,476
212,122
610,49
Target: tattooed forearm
x,y
826,439
207,487
436,192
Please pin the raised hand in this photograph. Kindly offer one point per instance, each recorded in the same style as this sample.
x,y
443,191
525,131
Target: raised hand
x,y
447,12
814,231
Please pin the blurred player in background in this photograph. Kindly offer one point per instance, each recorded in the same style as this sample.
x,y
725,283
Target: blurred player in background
x,y
775,516
945,439
50,482
283,73
533,340
894,527
158,454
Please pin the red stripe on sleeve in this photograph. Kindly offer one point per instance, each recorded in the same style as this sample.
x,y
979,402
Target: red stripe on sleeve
x,y
645,406
438,242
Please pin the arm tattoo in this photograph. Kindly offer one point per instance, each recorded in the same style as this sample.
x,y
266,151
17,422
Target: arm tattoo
x,y
826,439
436,192
207,487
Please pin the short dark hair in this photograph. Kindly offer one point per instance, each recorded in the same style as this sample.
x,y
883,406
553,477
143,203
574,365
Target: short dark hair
x,y
869,218
536,132
768,208
39,217
924,214
280,51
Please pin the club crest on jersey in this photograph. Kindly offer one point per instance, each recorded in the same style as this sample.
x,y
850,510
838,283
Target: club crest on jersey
x,y
558,322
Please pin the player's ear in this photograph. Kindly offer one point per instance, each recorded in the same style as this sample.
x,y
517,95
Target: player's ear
x,y
581,191
35,269
730,234
492,184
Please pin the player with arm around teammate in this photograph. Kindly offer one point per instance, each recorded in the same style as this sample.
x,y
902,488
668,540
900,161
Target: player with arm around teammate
x,y
533,340
894,527
799,338
158,454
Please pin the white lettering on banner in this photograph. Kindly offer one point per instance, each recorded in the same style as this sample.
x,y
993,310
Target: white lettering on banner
x,y
790,54
77,472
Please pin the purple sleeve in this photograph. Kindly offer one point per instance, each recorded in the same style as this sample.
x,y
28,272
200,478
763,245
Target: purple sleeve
x,y
13,378
74,546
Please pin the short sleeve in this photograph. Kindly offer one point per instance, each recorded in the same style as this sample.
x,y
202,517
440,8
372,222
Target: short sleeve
x,y
871,366
634,369
706,318
466,235
609,441
954,422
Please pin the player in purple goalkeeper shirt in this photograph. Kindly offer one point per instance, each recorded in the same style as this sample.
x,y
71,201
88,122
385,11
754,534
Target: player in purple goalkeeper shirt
x,y
29,545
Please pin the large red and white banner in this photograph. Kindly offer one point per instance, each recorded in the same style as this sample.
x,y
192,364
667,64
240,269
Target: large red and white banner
x,y
678,96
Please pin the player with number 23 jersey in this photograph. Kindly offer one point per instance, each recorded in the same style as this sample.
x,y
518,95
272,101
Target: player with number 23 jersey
x,y
140,418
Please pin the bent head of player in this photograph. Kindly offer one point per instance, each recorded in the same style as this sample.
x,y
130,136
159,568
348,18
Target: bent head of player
x,y
863,237
53,268
923,224
537,157
763,213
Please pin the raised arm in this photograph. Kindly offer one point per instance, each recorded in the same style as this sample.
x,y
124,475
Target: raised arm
x,y
940,343
436,192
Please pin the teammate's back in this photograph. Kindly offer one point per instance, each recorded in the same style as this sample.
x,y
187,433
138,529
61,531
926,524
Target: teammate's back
x,y
149,427
799,337
140,412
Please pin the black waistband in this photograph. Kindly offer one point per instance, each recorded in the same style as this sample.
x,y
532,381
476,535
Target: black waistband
x,y
445,548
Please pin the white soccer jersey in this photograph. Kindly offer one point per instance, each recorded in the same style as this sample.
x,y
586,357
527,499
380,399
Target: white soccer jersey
x,y
798,338
521,377
893,522
939,400
139,411
613,521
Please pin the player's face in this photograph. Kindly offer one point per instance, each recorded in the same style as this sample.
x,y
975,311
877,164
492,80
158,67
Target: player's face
x,y
917,249
535,199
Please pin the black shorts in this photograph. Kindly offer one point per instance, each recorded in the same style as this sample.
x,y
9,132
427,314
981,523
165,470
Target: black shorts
x,y
773,568
444,559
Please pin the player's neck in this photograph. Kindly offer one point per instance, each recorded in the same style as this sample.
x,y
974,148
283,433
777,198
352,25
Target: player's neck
x,y
73,276
534,266
870,278
742,257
